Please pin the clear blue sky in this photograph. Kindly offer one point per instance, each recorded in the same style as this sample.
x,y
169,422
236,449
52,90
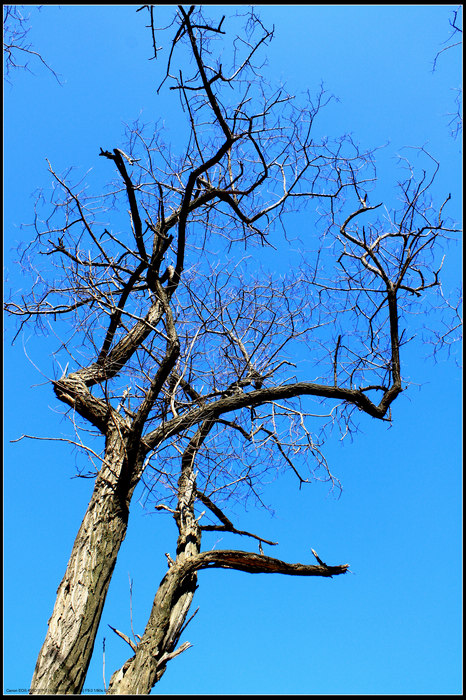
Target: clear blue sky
x,y
394,625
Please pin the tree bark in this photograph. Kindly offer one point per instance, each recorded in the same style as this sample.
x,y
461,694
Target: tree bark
x,y
64,658
172,601
174,596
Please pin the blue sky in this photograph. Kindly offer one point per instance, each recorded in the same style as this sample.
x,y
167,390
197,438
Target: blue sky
x,y
394,624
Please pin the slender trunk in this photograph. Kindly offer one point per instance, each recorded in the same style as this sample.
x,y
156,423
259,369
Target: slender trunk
x,y
167,619
174,596
64,658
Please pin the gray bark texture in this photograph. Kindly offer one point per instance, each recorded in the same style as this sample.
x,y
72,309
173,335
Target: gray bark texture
x,y
64,658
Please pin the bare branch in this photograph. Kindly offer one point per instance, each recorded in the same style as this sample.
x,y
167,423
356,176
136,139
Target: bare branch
x,y
124,637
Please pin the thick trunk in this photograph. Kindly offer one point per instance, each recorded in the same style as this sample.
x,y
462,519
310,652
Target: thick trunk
x,y
65,655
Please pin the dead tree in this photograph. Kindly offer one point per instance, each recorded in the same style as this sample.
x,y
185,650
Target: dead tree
x,y
183,353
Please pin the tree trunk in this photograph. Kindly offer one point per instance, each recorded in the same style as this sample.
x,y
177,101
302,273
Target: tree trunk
x,y
171,604
64,658
174,596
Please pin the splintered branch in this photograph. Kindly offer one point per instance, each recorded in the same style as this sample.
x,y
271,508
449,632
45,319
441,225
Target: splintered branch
x,y
168,656
258,564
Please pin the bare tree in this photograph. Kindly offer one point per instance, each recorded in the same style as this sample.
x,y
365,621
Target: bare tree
x,y
183,352
17,50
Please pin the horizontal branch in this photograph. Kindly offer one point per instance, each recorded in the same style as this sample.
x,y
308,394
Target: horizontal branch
x,y
266,395
256,564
